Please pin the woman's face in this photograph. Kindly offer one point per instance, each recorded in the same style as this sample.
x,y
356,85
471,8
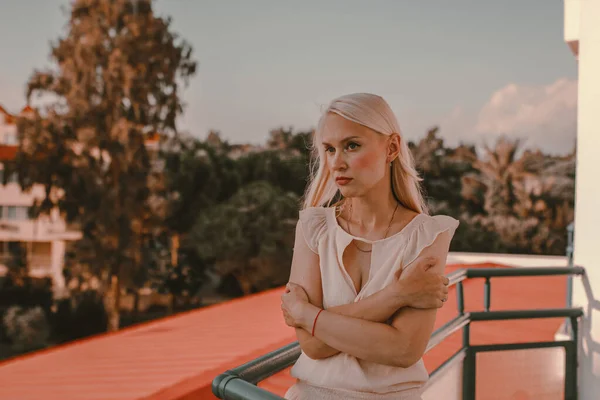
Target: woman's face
x,y
355,155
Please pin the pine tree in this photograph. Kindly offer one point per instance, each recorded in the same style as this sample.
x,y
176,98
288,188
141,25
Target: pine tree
x,y
117,81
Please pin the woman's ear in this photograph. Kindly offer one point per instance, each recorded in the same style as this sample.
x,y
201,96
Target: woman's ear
x,y
393,147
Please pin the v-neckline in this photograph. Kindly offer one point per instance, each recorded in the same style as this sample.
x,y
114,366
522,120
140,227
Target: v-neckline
x,y
347,240
349,278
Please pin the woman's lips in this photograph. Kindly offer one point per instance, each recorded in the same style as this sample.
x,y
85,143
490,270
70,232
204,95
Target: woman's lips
x,y
343,181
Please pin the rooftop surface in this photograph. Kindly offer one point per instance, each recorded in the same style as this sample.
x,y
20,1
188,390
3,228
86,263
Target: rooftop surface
x,y
179,356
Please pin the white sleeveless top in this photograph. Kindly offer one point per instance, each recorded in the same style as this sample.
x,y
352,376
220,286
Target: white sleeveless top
x,y
325,237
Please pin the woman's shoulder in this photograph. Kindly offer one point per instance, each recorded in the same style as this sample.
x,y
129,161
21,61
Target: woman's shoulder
x,y
314,224
439,221
315,220
420,224
432,225
314,213
425,232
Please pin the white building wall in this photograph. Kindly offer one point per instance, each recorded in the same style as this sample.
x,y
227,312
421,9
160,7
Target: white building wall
x,y
8,132
582,27
58,257
571,28
50,229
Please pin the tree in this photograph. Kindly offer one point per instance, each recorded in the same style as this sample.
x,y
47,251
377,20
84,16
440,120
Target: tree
x,y
280,138
442,168
284,163
17,262
286,173
527,201
428,152
195,176
498,172
118,76
250,236
27,328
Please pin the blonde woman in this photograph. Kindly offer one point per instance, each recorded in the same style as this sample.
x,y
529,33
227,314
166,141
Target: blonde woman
x,y
367,272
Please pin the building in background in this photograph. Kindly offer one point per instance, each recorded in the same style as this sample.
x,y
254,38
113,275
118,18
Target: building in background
x,y
582,34
42,240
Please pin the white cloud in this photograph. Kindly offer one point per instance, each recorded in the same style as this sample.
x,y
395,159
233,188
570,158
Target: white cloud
x,y
543,117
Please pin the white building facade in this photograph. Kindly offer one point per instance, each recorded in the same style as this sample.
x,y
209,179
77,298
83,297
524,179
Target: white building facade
x,y
44,239
582,34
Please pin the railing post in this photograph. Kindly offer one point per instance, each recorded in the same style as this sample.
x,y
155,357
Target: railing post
x,y
569,251
468,375
486,294
460,301
572,362
460,298
570,264
468,387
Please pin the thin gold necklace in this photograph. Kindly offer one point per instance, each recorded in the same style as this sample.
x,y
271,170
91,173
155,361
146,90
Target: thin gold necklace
x,y
386,231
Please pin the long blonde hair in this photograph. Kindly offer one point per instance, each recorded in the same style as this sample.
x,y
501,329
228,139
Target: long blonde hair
x,y
375,113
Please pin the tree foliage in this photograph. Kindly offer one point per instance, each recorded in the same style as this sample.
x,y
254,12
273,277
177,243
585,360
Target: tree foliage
x,y
510,201
119,70
250,235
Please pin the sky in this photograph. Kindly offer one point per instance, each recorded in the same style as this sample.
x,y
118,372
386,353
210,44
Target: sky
x,y
475,68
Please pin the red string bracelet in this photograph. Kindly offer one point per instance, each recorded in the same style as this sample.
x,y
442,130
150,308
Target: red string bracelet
x,y
315,322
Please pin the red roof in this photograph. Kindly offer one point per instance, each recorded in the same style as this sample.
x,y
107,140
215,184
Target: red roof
x,y
7,152
27,109
178,357
152,137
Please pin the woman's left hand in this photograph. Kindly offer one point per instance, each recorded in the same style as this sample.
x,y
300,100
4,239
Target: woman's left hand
x,y
293,304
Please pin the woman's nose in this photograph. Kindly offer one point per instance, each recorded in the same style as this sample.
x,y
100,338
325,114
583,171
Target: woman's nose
x,y
338,162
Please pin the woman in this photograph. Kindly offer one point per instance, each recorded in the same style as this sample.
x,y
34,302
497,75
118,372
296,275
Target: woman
x,y
367,272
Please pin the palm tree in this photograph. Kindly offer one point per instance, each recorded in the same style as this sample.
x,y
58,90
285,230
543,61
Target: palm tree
x,y
498,173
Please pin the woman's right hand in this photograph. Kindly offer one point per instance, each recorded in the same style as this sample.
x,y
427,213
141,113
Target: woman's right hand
x,y
419,287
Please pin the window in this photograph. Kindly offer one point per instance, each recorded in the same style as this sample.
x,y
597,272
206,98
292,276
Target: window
x,y
12,177
14,213
22,213
10,139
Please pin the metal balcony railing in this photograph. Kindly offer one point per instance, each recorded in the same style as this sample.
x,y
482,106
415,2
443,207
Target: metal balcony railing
x,y
240,383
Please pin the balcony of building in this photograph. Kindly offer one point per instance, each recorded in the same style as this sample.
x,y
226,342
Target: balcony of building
x,y
36,257
501,335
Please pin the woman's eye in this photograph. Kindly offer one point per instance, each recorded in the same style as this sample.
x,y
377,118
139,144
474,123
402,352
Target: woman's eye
x,y
329,149
353,146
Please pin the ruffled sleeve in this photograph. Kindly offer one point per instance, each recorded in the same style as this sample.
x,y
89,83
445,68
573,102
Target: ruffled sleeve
x,y
425,234
313,222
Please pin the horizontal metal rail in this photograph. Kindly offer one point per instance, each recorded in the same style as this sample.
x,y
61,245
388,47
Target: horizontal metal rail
x,y
240,383
232,387
525,314
446,330
521,346
259,369
517,272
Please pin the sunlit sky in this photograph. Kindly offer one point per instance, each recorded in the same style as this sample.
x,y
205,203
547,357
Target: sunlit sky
x,y
475,68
